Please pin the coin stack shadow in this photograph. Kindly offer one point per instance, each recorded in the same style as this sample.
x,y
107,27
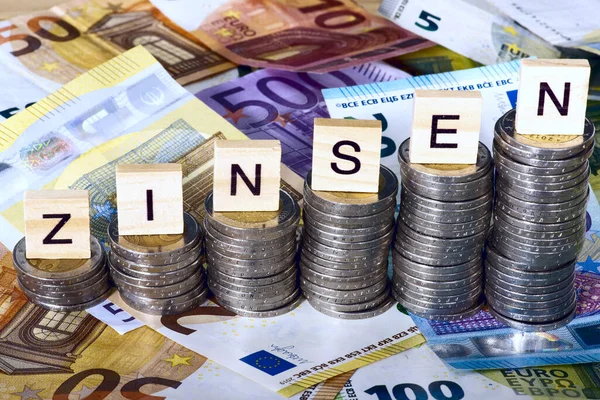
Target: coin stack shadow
x,y
251,258
539,225
159,274
63,284
445,215
345,249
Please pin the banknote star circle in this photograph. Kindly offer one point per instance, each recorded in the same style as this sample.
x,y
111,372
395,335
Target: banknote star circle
x,y
28,393
589,265
510,29
235,116
115,7
283,119
233,14
224,32
46,66
84,392
178,360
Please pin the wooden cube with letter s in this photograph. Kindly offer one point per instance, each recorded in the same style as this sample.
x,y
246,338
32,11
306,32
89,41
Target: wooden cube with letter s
x,y
346,155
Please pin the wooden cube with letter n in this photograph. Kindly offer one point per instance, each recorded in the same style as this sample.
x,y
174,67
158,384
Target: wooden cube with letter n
x,y
150,199
247,175
552,97
57,224
446,127
346,155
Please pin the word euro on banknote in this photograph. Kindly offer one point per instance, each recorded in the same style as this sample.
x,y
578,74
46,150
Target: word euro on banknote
x,y
486,36
272,104
562,24
392,102
481,342
419,374
50,48
319,36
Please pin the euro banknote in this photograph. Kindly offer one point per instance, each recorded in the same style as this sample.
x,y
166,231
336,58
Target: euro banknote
x,y
566,24
485,36
50,48
292,35
419,374
273,104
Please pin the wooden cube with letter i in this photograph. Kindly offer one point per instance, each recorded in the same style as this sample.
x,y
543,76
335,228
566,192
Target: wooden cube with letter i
x,y
346,155
446,127
247,175
57,224
149,199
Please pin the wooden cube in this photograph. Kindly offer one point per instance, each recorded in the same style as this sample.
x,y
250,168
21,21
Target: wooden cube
x,y
346,155
149,199
247,175
446,127
57,224
552,97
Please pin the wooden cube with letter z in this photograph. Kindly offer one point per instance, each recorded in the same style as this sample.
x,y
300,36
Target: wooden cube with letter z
x,y
446,127
57,224
552,97
150,199
346,155
247,175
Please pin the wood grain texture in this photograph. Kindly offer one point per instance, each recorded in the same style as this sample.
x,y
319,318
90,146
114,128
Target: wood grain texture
x,y
444,118
259,162
149,199
53,218
568,81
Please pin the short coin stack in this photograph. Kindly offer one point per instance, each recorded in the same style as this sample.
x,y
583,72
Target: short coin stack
x,y
445,214
63,285
539,224
345,249
159,274
251,258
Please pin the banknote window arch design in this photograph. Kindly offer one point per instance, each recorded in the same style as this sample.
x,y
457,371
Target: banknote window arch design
x,y
56,326
162,49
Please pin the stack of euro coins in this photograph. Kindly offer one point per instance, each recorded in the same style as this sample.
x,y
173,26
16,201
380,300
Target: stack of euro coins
x,y
159,274
444,220
345,249
63,284
251,257
539,225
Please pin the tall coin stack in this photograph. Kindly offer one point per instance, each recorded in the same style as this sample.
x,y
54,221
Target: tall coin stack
x,y
539,224
63,285
445,215
251,258
159,274
345,248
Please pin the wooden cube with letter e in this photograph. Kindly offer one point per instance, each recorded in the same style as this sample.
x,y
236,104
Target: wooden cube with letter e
x,y
150,199
247,175
57,224
446,127
346,155
552,97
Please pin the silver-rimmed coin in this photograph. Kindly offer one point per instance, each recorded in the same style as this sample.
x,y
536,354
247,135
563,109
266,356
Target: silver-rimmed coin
x,y
500,153
317,256
248,243
523,278
260,301
217,274
544,186
286,308
160,292
353,204
437,315
354,307
446,173
528,304
436,301
353,294
456,285
545,147
348,240
514,236
446,216
436,274
344,255
420,307
558,227
469,241
486,198
448,193
126,265
44,287
255,252
308,290
517,269
533,327
59,271
344,273
275,257
461,229
289,280
370,313
541,196
436,259
553,259
338,283
155,249
70,296
540,248
252,271
383,240
40,301
421,287
515,288
383,217
255,225
445,248
146,280
539,298
533,314
507,167
408,174
348,234
169,306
